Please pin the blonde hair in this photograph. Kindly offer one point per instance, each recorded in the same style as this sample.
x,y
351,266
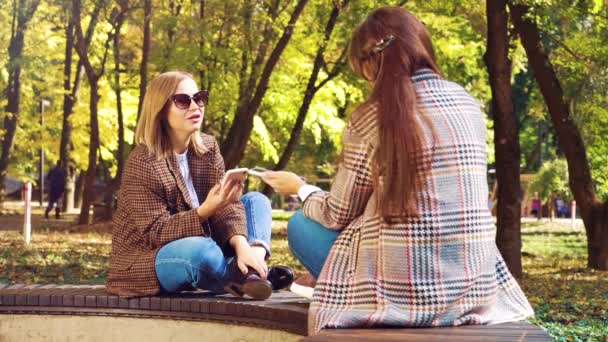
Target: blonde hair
x,y
152,128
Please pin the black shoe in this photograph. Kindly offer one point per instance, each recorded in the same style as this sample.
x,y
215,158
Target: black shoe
x,y
46,214
249,284
280,277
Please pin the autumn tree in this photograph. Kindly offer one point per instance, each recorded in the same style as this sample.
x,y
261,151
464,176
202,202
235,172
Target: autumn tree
x,y
506,139
23,11
593,211
253,88
93,76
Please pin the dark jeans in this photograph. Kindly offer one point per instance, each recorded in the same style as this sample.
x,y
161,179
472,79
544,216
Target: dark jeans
x,y
54,202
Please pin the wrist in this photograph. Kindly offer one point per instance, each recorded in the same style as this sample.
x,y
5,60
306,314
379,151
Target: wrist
x,y
297,185
203,211
238,243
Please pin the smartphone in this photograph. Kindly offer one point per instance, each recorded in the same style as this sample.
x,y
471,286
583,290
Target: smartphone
x,y
256,171
235,174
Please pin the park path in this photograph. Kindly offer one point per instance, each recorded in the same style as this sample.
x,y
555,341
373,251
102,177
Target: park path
x,y
14,222
12,219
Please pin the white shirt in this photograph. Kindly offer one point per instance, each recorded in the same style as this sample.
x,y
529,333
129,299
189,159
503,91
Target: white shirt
x,y
182,160
305,190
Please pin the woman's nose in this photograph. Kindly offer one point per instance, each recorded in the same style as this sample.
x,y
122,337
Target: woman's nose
x,y
193,105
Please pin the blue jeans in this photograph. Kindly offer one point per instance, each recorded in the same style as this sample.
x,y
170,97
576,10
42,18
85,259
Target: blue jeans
x,y
310,242
198,262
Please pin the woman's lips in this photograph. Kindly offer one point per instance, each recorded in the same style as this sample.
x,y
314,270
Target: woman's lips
x,y
195,117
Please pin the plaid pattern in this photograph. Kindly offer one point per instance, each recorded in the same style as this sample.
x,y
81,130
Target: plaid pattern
x,y
154,208
441,269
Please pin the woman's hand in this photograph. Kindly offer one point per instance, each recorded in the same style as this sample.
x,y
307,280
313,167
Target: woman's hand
x,y
246,256
283,182
220,196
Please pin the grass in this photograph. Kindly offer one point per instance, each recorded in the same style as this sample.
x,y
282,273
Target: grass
x,y
570,301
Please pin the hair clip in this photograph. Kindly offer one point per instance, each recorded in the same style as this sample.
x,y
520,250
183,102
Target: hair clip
x,y
383,44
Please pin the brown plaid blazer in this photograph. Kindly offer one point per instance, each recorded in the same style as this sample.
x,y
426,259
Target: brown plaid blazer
x,y
154,208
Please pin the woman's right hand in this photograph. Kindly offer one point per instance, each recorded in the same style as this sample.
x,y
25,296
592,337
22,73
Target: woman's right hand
x,y
220,196
283,182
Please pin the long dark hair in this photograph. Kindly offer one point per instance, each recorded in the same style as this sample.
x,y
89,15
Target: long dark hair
x,y
387,48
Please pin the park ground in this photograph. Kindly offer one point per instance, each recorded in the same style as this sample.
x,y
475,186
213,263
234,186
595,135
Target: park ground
x,y
570,300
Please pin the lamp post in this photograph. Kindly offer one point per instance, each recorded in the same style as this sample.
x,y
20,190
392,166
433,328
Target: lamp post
x,y
43,103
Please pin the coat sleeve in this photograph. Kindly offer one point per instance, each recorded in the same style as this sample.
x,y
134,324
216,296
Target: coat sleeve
x,y
147,204
350,190
229,220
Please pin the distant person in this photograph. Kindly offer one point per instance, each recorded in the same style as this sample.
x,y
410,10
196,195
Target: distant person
x,y
535,206
56,184
292,202
404,237
561,209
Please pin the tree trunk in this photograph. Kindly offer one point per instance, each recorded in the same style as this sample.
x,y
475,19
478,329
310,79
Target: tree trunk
x,y
145,49
533,159
93,78
70,191
592,211
69,100
597,237
175,10
233,147
88,197
201,44
78,188
506,138
311,90
120,153
22,14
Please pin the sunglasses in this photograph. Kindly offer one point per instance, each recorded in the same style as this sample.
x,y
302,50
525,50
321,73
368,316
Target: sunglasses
x,y
182,101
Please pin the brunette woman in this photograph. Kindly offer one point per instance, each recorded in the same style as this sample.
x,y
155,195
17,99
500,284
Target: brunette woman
x,y
404,237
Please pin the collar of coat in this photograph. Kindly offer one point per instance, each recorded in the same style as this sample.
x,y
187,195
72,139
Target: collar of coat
x,y
424,74
195,163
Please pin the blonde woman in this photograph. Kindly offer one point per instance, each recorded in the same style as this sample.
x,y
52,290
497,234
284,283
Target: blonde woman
x,y
177,227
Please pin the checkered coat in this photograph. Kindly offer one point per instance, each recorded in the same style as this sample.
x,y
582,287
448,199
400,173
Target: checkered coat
x,y
442,269
154,208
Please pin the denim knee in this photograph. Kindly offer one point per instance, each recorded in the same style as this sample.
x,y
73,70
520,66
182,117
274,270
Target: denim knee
x,y
256,198
208,260
294,227
259,219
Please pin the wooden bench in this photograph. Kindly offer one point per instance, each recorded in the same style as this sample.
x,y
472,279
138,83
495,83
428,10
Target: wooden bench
x,y
87,313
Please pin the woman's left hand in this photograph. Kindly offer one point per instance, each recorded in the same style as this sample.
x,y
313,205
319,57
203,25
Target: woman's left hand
x,y
247,257
283,182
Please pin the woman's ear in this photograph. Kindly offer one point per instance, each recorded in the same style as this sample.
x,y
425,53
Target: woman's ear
x,y
368,70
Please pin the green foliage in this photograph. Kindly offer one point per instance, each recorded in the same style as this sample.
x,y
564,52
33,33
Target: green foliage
x,y
569,300
218,50
552,178
575,33
281,216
